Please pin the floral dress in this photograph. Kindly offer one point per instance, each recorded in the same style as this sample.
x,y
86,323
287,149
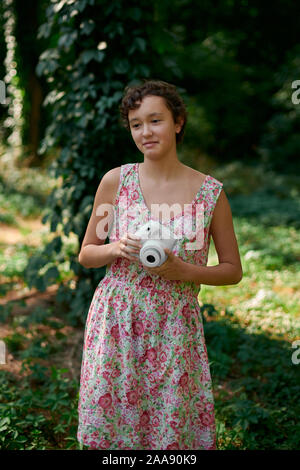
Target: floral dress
x,y
145,379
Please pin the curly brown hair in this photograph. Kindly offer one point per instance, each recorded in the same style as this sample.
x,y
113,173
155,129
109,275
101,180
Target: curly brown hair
x,y
136,93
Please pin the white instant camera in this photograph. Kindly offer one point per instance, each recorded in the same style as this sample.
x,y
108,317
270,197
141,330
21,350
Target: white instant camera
x,y
154,237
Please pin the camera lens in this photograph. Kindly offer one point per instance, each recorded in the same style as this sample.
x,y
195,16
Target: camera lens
x,y
150,258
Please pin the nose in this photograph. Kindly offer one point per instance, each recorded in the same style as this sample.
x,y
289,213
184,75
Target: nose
x,y
146,130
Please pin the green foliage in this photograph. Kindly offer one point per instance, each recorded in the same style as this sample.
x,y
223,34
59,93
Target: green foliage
x,y
87,60
260,380
38,412
280,142
23,191
248,330
90,58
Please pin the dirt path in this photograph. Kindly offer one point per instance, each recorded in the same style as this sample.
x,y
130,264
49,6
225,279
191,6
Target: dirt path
x,y
22,301
28,232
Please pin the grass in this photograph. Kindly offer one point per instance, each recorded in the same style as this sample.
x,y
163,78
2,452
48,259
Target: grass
x,y
249,328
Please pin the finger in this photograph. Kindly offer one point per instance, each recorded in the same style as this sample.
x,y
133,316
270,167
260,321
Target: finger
x,y
133,236
124,241
129,250
133,240
134,243
128,256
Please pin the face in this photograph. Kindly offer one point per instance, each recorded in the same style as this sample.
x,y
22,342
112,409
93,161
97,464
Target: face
x,y
153,122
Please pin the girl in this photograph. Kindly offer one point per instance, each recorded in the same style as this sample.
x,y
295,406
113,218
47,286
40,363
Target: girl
x,y
145,378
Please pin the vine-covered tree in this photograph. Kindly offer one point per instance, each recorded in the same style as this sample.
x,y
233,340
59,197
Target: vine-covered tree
x,y
95,49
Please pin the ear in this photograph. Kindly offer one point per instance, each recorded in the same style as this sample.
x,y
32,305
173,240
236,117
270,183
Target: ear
x,y
179,124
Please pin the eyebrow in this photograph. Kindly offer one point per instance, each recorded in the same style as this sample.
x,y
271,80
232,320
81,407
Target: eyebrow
x,y
151,114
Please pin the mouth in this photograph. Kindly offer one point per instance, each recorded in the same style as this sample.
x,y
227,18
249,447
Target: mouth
x,y
150,143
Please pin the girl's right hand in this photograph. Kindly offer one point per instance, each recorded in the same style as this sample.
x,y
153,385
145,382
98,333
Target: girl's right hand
x,y
127,245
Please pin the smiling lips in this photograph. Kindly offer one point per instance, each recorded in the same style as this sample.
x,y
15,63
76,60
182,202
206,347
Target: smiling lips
x,y
150,143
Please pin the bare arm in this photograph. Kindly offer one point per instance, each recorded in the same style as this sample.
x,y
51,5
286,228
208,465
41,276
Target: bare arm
x,y
93,252
229,270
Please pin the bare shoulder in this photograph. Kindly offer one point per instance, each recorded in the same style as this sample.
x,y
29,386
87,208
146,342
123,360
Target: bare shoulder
x,y
108,185
112,176
194,176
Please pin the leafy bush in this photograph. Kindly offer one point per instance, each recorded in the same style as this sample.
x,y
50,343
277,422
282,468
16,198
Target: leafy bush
x,y
90,59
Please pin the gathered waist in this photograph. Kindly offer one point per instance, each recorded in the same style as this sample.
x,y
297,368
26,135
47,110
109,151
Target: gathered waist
x,y
154,284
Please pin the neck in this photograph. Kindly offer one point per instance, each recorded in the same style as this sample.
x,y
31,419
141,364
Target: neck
x,y
162,171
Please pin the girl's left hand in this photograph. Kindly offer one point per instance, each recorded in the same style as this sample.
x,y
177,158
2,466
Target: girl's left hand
x,y
171,269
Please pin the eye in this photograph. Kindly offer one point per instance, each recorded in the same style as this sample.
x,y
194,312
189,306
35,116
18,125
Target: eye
x,y
153,120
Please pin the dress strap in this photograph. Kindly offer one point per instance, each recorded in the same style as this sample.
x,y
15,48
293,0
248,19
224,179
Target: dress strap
x,y
125,169
214,189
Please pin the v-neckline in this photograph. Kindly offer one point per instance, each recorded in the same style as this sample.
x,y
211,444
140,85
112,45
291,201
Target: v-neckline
x,y
144,202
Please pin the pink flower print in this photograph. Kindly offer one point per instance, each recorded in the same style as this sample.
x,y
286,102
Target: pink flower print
x,y
193,387
146,282
173,446
92,444
200,406
155,421
195,355
145,441
111,412
154,390
124,191
209,406
154,291
138,328
104,444
117,298
206,419
106,375
144,418
134,195
183,379
186,312
115,332
115,372
132,397
152,377
134,383
161,310
173,425
105,401
163,357
151,354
